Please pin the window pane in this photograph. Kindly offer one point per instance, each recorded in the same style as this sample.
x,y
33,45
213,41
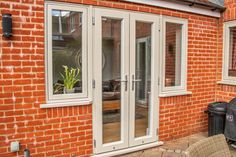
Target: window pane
x,y
111,75
66,51
143,78
173,54
232,52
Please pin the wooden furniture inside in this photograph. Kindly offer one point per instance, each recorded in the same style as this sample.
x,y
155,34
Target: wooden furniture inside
x,y
110,105
112,132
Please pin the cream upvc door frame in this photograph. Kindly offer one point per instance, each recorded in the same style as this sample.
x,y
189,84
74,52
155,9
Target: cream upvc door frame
x,y
127,69
153,110
97,57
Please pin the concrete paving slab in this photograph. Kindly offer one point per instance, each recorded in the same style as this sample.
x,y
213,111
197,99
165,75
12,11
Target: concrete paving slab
x,y
173,148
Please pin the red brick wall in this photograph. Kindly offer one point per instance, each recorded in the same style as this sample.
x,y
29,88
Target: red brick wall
x,y
68,130
46,132
225,92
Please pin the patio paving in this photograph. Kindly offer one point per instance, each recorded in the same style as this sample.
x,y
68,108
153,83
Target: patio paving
x,y
172,148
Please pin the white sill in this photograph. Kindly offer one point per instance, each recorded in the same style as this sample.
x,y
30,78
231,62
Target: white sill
x,y
129,150
66,103
174,93
227,82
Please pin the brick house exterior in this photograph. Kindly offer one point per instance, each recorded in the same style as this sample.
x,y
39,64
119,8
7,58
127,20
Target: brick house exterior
x,y
64,131
224,92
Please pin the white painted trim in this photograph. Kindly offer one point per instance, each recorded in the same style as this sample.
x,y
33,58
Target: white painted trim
x,y
153,105
97,107
176,6
86,51
184,46
226,79
97,57
177,93
227,82
90,53
66,104
129,150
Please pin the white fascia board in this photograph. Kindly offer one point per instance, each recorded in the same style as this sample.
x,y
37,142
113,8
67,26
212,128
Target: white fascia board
x,y
176,6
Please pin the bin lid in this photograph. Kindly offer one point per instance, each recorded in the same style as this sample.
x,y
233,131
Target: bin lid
x,y
218,106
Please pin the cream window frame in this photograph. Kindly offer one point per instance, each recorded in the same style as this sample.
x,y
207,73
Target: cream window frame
x,y
182,88
85,97
226,79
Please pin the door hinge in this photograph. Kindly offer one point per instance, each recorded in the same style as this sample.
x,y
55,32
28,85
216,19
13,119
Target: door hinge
x,y
157,131
158,81
93,20
94,84
94,143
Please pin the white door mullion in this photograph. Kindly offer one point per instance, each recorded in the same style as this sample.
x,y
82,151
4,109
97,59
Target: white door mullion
x,y
132,84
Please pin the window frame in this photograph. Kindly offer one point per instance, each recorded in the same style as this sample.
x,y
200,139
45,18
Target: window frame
x,y
226,79
182,88
76,98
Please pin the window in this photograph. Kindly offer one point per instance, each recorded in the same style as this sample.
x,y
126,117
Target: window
x,y
174,56
229,62
67,53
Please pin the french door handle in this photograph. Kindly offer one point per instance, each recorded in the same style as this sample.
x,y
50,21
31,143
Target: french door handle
x,y
134,80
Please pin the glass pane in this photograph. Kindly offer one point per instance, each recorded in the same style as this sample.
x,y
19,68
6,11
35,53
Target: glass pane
x,y
232,52
173,54
111,74
66,51
143,78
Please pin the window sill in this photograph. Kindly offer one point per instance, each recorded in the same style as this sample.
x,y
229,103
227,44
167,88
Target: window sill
x,y
67,103
174,93
227,82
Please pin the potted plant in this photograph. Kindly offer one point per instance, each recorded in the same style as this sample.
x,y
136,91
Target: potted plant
x,y
70,78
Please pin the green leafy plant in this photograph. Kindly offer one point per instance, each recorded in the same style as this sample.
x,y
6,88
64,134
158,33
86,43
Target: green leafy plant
x,y
70,77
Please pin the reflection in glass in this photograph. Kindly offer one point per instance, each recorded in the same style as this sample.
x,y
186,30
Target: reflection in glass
x,y
66,47
143,78
173,54
232,52
111,74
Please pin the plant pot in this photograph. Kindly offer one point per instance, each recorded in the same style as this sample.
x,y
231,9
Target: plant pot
x,y
69,91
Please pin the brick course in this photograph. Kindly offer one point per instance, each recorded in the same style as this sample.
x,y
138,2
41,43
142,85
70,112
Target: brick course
x,y
68,130
225,92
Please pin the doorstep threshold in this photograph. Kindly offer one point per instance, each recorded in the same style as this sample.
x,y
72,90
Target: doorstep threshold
x,y
129,150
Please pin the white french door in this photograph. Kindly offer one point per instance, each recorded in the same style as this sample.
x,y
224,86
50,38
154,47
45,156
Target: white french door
x,y
125,79
111,69
144,79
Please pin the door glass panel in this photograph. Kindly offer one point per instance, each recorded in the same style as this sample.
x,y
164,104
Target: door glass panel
x,y
111,75
142,78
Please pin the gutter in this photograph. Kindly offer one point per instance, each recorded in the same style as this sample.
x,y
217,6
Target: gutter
x,y
210,5
183,5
